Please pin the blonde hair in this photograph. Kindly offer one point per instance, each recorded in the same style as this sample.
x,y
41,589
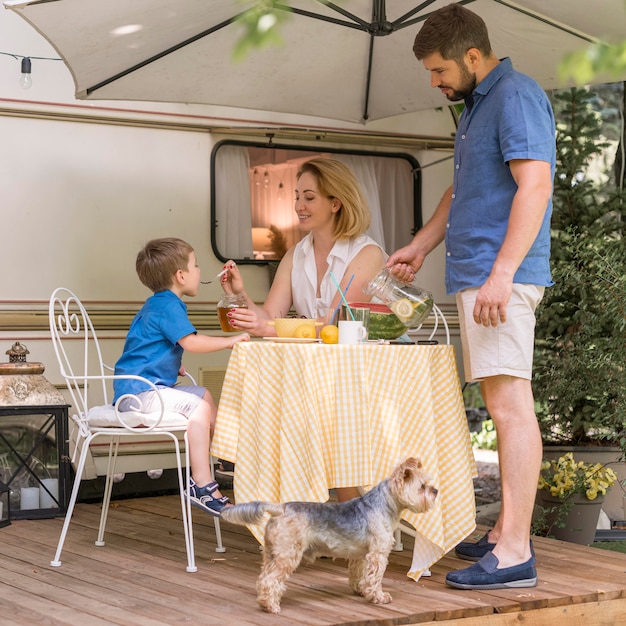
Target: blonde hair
x,y
336,180
159,260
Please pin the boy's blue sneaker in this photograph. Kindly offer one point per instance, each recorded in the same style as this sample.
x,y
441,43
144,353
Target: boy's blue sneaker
x,y
202,498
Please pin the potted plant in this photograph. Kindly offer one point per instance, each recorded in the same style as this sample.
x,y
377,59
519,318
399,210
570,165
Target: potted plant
x,y
278,243
570,494
580,361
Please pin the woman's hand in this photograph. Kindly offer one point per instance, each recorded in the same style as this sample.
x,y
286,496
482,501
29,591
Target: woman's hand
x,y
248,320
232,281
252,319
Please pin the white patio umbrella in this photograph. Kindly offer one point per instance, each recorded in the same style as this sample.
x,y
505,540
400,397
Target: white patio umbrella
x,y
346,60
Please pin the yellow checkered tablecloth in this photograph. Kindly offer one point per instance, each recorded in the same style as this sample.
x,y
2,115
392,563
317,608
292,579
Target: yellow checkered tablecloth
x,y
299,419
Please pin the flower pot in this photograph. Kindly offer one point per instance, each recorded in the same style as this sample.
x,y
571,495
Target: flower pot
x,y
614,500
580,520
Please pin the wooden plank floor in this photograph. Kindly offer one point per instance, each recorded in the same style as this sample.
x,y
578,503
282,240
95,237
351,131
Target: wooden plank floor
x,y
139,578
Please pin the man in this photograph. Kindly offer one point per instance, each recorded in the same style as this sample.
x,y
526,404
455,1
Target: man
x,y
495,221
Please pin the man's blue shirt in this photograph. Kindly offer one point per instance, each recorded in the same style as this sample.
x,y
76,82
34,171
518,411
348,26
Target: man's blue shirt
x,y
151,349
507,117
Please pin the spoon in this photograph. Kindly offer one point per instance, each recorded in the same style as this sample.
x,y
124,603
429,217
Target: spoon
x,y
208,282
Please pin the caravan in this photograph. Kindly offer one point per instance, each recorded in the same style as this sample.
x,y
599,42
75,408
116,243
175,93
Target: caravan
x,y
86,184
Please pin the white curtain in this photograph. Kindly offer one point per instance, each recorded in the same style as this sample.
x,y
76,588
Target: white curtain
x,y
397,199
364,169
232,203
388,187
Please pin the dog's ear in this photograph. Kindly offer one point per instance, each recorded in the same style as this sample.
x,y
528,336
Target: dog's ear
x,y
409,467
413,462
404,472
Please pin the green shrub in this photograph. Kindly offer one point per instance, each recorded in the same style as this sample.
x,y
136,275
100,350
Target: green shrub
x,y
485,439
579,377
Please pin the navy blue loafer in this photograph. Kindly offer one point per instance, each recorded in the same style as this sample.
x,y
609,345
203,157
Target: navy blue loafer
x,y
474,550
486,575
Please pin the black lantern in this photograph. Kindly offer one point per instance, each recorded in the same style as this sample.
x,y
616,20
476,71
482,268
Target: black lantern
x,y
5,505
34,440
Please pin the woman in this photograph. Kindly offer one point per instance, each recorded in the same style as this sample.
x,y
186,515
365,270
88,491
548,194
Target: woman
x,y
333,212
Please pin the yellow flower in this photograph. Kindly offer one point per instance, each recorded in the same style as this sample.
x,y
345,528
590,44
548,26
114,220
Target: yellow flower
x,y
564,477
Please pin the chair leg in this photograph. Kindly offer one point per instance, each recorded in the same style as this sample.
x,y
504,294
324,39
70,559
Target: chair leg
x,y
108,488
397,546
56,562
185,503
216,521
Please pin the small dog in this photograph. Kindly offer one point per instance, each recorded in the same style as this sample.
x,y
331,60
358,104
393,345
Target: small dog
x,y
360,530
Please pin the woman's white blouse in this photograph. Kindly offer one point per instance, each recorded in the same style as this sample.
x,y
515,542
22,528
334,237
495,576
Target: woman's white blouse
x,y
304,274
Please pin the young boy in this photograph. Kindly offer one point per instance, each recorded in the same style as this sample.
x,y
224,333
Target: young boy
x,y
154,347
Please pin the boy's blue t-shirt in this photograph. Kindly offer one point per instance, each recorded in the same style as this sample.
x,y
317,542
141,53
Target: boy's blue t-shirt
x,y
151,349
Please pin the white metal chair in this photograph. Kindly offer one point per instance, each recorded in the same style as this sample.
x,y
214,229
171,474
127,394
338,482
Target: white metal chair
x,y
80,360
439,318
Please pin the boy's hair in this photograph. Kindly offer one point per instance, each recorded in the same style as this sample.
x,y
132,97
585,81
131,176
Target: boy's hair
x,y
452,31
336,180
159,260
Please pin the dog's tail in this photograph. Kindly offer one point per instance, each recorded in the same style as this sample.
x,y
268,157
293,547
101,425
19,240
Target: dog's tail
x,y
251,512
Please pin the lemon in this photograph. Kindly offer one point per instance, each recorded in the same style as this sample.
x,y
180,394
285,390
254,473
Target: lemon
x,y
329,334
403,309
304,331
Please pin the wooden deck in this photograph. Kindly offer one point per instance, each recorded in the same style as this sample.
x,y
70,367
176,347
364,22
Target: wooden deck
x,y
139,578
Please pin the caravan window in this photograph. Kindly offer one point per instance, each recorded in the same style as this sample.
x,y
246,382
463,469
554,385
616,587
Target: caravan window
x,y
253,194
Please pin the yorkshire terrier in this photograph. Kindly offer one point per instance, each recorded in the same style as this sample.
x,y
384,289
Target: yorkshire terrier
x,y
359,530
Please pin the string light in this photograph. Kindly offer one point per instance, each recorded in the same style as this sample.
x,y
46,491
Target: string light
x,y
26,80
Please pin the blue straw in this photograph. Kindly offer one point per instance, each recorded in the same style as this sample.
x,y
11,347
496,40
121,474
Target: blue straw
x,y
336,311
343,297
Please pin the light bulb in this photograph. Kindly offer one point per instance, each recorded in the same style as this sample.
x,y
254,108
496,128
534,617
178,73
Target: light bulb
x,y
281,192
26,81
266,180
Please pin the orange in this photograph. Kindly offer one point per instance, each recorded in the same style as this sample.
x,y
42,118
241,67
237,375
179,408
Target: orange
x,y
305,331
329,334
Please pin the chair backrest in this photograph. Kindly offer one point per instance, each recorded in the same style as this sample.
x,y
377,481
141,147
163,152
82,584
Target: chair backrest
x,y
77,348
88,378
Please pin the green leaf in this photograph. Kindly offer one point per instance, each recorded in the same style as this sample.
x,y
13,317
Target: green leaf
x,y
260,27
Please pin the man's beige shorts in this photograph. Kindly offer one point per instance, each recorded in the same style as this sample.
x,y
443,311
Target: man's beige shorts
x,y
506,348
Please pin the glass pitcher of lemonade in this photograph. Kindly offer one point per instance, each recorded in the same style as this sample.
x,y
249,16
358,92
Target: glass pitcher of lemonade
x,y
411,304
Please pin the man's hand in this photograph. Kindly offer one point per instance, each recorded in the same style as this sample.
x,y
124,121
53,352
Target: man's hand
x,y
491,302
405,263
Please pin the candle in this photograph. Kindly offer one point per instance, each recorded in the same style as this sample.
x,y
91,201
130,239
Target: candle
x,y
29,498
49,500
